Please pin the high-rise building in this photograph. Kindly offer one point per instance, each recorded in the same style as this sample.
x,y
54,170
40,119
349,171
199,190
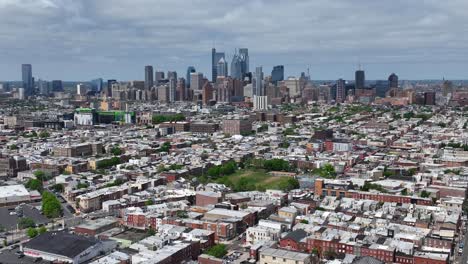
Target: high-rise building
x,y
81,89
190,70
429,98
258,87
181,90
381,88
222,69
277,74
109,87
172,75
196,81
393,81
158,77
96,85
28,83
43,87
57,86
172,89
149,81
163,93
215,57
340,91
360,79
236,67
244,54
207,93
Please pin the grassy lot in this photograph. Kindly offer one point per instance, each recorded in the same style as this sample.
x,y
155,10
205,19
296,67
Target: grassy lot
x,y
253,179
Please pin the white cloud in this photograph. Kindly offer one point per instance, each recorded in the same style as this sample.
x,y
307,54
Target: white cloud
x,y
331,35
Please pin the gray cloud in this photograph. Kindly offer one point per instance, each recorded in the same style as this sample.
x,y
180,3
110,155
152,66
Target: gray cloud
x,y
83,39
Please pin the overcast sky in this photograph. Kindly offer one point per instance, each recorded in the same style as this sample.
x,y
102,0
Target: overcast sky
x,y
85,39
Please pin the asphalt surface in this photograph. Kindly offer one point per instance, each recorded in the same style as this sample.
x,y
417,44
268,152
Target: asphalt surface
x,y
464,258
9,221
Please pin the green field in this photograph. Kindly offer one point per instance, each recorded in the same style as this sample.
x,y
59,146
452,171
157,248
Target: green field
x,y
255,179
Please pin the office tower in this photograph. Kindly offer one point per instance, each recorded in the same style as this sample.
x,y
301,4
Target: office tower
x,y
109,87
393,81
96,85
43,87
236,67
190,70
260,102
180,91
360,79
222,68
340,91
28,85
149,81
277,74
447,87
381,88
258,88
244,55
159,76
172,89
163,93
172,75
429,98
196,81
21,93
207,93
81,89
57,86
215,57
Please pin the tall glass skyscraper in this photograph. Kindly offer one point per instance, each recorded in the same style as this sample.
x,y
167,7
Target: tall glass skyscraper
x,y
257,85
277,74
97,85
236,67
149,81
393,81
215,58
360,79
28,85
244,54
190,70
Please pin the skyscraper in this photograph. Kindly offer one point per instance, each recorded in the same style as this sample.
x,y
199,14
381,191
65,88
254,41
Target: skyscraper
x,y
28,85
222,68
277,74
393,81
381,88
172,75
196,80
96,85
340,91
159,76
109,87
244,54
190,70
215,57
149,81
172,89
258,88
181,90
360,79
236,67
57,86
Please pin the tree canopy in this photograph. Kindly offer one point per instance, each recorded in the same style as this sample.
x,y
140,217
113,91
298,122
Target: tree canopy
x,y
51,206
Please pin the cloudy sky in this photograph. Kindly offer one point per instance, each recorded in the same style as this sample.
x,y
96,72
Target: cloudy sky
x,y
85,39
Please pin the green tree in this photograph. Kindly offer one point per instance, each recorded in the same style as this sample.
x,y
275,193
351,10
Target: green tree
x,y
58,187
51,206
42,230
425,194
40,175
217,251
44,134
149,202
304,221
116,151
404,191
31,232
287,184
165,147
26,222
34,184
151,232
82,185
182,214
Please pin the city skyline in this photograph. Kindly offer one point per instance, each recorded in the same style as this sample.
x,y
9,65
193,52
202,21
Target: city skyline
x,y
419,40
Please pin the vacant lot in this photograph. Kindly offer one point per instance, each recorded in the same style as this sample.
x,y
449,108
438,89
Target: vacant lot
x,y
252,179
